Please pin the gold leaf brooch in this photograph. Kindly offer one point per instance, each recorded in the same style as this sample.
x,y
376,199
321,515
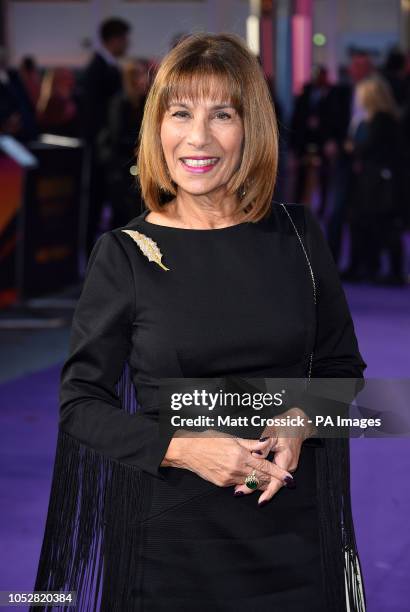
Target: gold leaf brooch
x,y
147,246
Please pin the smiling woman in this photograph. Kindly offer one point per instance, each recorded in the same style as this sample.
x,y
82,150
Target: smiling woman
x,y
202,106
162,521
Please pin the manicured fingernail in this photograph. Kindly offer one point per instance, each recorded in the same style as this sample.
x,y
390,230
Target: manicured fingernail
x,y
238,493
258,452
289,482
262,503
263,439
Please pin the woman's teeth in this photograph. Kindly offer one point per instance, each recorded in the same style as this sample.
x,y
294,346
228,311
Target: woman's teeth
x,y
199,163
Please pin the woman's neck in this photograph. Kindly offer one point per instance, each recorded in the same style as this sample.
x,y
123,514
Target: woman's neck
x,y
201,212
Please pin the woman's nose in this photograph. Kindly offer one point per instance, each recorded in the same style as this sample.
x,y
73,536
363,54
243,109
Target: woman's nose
x,y
199,134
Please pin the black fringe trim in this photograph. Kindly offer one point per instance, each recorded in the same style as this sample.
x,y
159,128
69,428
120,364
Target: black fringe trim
x,y
125,390
92,532
342,576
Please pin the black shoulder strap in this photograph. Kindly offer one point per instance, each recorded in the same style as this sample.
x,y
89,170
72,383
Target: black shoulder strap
x,y
297,215
297,221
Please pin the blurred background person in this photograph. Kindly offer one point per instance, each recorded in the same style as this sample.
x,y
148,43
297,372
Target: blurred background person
x,y
17,112
30,76
377,206
309,132
118,141
346,115
57,109
102,80
395,73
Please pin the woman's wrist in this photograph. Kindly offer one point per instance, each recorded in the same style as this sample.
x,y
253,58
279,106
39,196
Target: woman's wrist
x,y
309,429
176,449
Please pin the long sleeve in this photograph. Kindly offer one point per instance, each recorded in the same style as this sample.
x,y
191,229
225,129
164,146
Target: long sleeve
x,y
335,352
90,409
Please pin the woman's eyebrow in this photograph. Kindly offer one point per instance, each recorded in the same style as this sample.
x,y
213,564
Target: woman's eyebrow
x,y
220,106
215,107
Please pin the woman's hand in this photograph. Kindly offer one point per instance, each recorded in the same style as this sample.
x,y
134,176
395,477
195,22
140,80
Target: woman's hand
x,y
286,443
221,458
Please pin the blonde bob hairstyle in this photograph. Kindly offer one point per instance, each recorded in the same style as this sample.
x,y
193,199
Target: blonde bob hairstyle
x,y
218,67
375,95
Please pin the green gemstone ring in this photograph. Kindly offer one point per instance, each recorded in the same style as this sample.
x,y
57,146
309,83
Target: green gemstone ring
x,y
252,481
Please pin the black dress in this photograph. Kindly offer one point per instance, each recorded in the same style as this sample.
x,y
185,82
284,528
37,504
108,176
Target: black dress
x,y
235,301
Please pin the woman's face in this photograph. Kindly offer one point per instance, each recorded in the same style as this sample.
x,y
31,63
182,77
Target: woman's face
x,y
202,144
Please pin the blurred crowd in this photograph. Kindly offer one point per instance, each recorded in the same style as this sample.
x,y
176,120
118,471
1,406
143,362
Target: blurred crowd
x,y
349,146
102,104
347,142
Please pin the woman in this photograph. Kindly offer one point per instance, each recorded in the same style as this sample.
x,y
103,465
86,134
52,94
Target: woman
x,y
118,139
174,522
377,200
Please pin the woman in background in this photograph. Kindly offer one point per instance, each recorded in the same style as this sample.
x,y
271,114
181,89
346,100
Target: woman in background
x,y
377,203
118,141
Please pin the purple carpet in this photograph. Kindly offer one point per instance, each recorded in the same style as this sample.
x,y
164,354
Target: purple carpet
x,y
380,468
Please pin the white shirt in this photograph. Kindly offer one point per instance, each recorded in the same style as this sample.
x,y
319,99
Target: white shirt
x,y
107,55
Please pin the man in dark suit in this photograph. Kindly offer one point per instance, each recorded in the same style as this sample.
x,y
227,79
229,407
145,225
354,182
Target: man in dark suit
x,y
309,132
102,80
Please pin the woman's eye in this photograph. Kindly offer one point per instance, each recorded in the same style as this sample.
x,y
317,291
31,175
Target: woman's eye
x,y
222,115
181,114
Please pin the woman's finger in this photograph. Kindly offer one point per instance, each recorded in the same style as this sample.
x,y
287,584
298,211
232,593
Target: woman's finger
x,y
262,454
271,489
286,457
260,447
265,471
243,489
267,468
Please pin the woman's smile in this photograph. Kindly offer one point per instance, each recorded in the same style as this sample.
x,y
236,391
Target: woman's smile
x,y
199,165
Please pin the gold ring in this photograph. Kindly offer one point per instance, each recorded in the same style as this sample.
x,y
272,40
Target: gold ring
x,y
252,481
